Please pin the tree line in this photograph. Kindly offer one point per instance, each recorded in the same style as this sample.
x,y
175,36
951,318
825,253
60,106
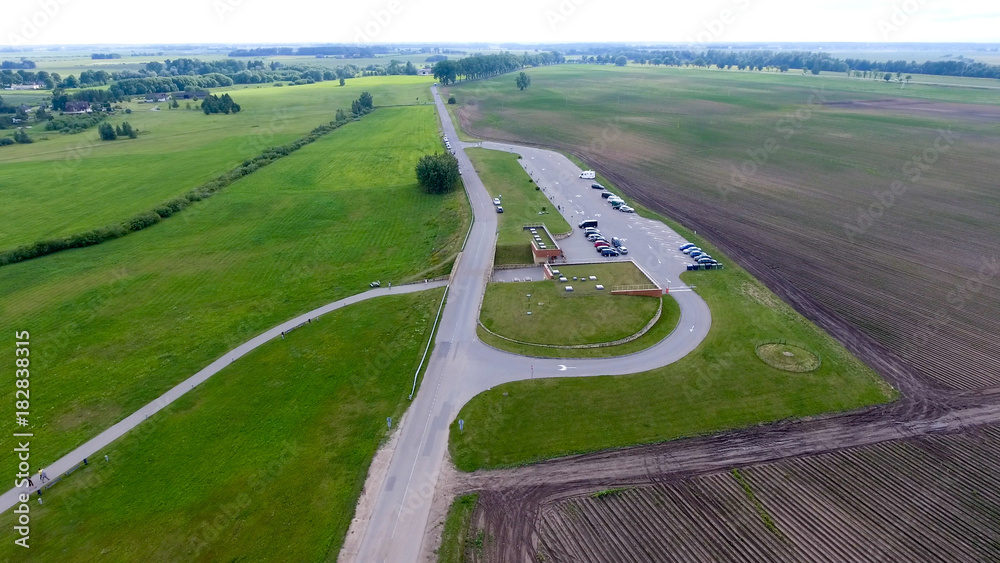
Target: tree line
x,y
785,60
215,104
346,51
483,66
22,64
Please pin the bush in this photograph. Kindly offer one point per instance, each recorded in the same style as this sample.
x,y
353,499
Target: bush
x,y
451,100
21,136
6,141
437,173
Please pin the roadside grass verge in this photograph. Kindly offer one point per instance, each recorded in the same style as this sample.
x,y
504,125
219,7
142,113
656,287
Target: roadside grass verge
x,y
456,537
522,202
264,461
115,325
66,184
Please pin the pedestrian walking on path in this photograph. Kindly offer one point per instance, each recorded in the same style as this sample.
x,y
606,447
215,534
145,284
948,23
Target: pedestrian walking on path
x,y
30,482
42,476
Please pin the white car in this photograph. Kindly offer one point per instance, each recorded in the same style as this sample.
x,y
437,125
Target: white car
x,y
626,209
496,201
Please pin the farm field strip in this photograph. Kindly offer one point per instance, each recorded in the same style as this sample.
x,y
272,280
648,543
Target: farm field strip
x,y
927,498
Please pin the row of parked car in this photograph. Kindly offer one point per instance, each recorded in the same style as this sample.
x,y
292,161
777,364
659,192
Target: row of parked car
x,y
702,258
447,143
603,245
615,201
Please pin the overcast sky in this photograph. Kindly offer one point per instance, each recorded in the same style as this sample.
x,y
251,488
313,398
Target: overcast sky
x,y
40,22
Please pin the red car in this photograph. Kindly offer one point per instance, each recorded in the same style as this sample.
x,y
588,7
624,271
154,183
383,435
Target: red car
x,y
601,244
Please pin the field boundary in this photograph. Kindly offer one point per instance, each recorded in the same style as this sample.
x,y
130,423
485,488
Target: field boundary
x,y
168,208
626,340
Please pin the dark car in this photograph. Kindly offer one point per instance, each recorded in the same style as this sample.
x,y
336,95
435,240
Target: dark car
x,y
499,209
608,251
606,195
597,186
616,241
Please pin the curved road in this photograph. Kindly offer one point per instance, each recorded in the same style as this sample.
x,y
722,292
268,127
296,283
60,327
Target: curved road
x,y
461,366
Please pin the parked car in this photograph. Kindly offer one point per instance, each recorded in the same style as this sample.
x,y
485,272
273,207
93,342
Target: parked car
x,y
626,209
696,253
602,244
616,241
606,195
706,260
496,201
499,209
690,250
623,250
588,174
594,237
597,186
686,246
617,203
588,223
609,252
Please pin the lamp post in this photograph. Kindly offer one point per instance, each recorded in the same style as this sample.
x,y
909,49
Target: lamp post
x,y
527,303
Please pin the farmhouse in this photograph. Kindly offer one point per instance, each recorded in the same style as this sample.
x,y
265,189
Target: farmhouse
x,y
153,98
77,107
425,72
198,95
29,86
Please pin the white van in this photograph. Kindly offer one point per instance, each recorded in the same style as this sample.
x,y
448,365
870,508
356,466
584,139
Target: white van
x,y
588,174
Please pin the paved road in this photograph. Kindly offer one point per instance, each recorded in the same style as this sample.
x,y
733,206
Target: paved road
x,y
94,445
461,366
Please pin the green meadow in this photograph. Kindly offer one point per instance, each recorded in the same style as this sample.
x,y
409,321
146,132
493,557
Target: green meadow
x,y
115,325
263,462
63,184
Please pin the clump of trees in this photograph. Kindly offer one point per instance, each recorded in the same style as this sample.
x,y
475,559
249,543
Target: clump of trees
x,y
72,124
21,136
110,133
215,104
437,173
4,141
483,66
364,104
523,81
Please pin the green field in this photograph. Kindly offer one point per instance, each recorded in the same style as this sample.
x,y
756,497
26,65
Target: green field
x,y
263,462
558,317
522,202
456,536
64,184
115,325
721,385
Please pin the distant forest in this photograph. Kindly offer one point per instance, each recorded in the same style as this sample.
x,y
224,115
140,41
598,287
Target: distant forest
x,y
785,60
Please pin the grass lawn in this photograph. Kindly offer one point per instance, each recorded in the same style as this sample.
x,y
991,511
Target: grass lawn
x,y
456,537
667,323
115,325
522,202
584,316
721,385
64,184
263,462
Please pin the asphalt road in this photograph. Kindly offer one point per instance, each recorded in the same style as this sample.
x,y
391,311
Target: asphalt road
x,y
461,366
